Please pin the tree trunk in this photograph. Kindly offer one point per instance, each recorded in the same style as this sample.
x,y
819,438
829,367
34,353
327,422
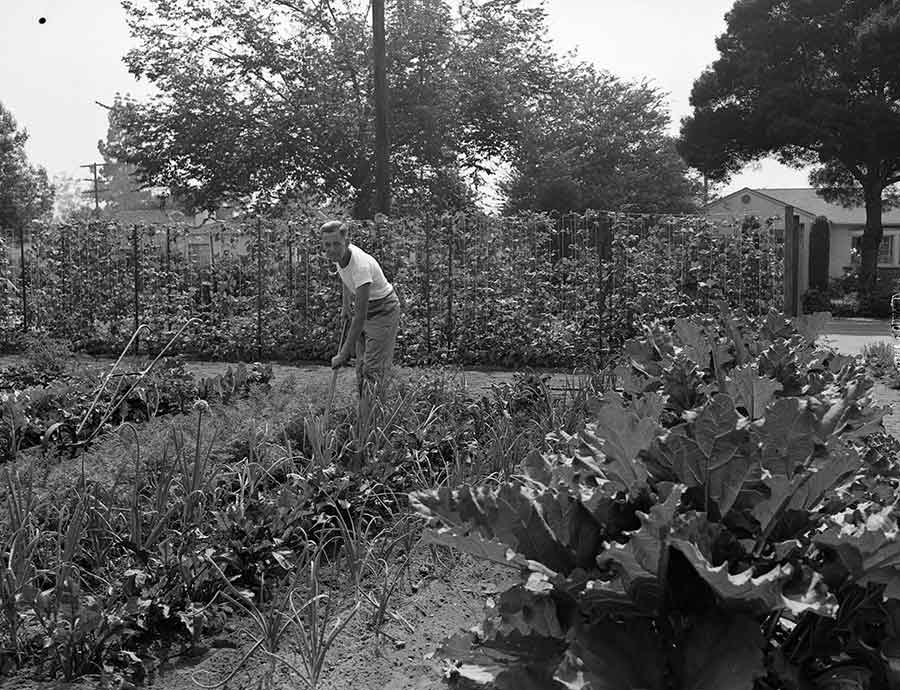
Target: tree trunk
x,y
382,154
871,239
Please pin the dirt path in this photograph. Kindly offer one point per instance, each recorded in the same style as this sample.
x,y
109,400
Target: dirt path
x,y
439,605
478,382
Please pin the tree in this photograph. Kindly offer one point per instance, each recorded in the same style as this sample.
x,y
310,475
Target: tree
x,y
382,139
121,182
25,191
277,98
596,142
814,82
68,197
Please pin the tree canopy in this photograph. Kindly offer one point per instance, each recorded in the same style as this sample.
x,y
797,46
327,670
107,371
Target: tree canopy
x,y
596,142
260,96
814,82
25,191
276,98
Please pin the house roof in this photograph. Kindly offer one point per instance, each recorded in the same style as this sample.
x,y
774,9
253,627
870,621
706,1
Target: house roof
x,y
806,199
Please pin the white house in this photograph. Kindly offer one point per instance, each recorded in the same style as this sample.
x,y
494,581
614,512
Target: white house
x,y
846,225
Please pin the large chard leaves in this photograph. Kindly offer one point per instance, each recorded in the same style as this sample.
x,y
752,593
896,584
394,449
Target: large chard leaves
x,y
742,590
852,413
788,436
513,662
695,345
712,453
511,515
869,552
840,462
723,653
702,492
750,390
625,434
614,656
638,562
760,594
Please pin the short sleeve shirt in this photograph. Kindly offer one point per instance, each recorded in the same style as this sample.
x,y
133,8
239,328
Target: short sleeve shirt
x,y
362,269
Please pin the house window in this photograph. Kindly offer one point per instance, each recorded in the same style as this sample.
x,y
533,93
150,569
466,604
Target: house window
x,y
885,251
198,252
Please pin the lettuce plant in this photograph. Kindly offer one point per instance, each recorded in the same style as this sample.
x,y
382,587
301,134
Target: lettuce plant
x,y
718,524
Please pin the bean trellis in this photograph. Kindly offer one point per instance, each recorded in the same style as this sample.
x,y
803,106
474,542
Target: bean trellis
x,y
524,290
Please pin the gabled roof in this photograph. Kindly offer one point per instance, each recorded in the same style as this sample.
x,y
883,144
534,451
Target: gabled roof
x,y
807,200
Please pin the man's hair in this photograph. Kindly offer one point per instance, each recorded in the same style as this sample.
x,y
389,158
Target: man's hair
x,y
334,226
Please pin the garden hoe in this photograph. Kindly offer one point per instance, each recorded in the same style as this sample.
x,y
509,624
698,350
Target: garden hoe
x,y
334,374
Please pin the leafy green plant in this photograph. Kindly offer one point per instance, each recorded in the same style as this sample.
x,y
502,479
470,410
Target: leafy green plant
x,y
389,569
234,382
713,525
816,300
18,551
302,615
318,620
271,620
879,359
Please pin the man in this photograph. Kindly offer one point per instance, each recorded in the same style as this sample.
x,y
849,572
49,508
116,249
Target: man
x,y
376,317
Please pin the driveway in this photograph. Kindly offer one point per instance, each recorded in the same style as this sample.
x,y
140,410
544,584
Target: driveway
x,y
849,336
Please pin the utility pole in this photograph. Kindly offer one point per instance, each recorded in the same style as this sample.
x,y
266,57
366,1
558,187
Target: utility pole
x,y
382,150
23,277
95,192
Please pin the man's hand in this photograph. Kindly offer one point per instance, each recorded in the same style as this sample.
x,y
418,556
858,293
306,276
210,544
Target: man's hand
x,y
345,315
338,361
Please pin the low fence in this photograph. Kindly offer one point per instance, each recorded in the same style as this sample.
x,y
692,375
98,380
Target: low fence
x,y
525,290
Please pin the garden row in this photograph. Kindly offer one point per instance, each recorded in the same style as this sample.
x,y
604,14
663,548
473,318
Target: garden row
x,y
521,291
50,402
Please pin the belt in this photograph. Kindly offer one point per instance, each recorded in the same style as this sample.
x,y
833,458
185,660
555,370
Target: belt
x,y
378,301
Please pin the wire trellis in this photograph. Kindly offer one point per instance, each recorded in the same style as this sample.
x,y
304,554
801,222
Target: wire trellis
x,y
526,290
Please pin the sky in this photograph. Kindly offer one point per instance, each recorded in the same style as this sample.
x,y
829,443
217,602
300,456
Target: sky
x,y
51,74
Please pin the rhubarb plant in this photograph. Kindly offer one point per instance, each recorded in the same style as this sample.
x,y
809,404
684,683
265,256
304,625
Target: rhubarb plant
x,y
718,524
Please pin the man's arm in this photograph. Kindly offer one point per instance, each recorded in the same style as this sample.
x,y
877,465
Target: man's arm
x,y
346,303
359,319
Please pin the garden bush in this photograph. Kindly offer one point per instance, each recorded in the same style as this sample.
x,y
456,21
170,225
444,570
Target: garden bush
x,y
848,300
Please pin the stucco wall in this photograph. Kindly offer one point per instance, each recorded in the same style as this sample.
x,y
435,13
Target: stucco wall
x,y
757,206
840,250
841,235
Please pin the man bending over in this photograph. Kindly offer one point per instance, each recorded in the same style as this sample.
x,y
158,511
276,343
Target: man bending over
x,y
376,316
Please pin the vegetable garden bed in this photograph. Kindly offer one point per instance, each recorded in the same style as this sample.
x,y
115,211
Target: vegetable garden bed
x,y
723,467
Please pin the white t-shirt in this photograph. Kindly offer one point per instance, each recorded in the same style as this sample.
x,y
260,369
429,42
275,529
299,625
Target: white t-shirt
x,y
362,269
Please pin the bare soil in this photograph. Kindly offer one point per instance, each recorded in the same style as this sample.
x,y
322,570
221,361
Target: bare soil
x,y
445,601
446,598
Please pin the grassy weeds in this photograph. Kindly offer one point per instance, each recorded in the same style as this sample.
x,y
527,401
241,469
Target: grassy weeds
x,y
879,358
